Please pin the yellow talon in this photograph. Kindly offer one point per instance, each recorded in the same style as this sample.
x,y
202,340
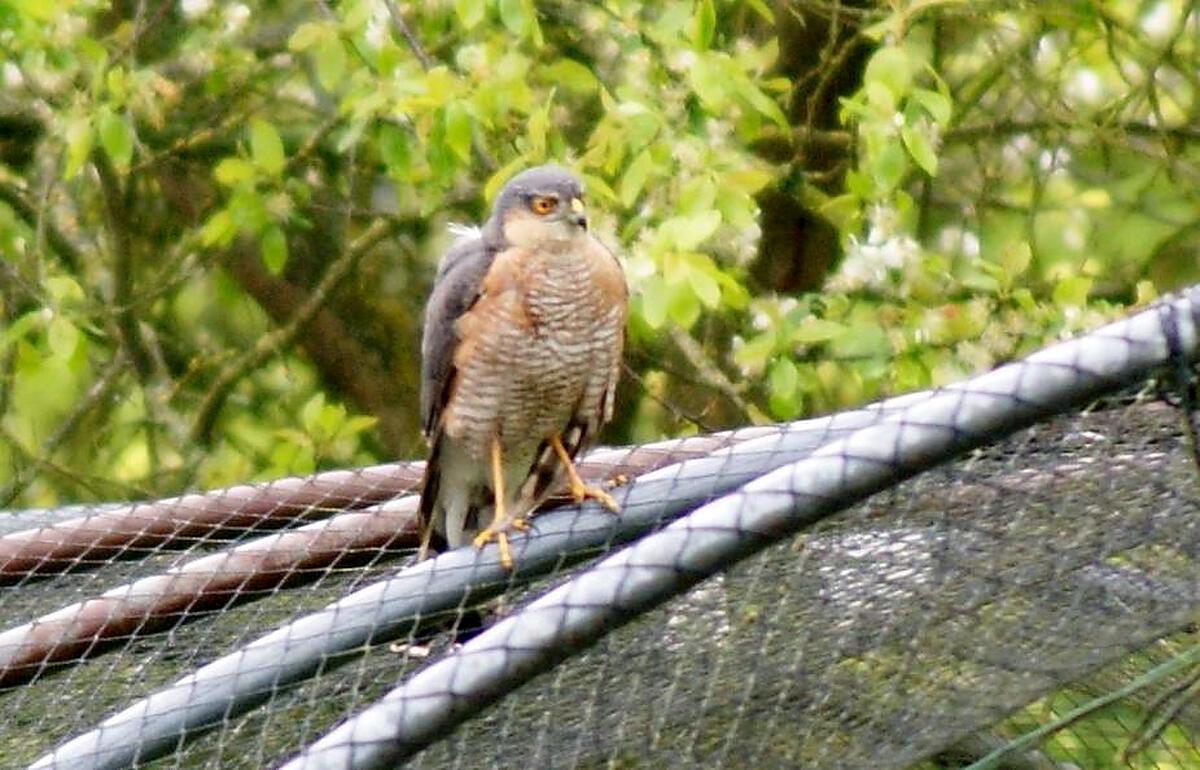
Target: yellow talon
x,y
485,536
579,490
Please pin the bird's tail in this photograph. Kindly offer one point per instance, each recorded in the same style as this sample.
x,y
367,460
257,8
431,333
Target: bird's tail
x,y
546,466
430,489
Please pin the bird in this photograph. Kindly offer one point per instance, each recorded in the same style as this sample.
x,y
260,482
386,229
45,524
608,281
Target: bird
x,y
520,357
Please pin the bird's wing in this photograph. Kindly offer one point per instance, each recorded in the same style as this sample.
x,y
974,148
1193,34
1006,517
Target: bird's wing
x,y
455,289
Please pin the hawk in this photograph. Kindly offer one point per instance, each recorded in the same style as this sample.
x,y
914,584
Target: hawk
x,y
521,353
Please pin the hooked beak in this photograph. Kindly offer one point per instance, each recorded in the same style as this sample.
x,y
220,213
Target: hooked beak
x,y
577,216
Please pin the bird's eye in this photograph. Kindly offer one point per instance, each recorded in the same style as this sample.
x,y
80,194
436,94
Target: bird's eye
x,y
543,204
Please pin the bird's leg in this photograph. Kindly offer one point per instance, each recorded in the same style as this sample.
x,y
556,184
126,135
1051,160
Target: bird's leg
x,y
500,525
579,490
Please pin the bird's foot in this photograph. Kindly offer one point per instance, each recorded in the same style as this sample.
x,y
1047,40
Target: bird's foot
x,y
498,531
581,492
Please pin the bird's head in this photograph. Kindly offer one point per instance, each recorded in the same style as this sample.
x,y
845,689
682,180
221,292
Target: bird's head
x,y
540,206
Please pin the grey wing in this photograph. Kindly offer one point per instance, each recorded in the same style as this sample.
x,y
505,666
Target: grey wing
x,y
459,278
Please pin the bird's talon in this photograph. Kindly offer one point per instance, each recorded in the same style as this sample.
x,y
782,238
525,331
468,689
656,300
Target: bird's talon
x,y
487,535
506,560
521,525
595,493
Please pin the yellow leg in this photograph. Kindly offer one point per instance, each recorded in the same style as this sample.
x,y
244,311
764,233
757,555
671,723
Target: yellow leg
x,y
500,525
579,490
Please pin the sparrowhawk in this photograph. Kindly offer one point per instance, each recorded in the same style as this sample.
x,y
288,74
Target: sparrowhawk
x,y
520,358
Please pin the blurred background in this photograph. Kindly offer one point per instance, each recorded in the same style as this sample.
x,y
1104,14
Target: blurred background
x,y
219,221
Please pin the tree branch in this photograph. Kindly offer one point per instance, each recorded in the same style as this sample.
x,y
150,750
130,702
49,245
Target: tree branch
x,y
406,32
122,247
1011,127
66,251
280,338
427,63
707,371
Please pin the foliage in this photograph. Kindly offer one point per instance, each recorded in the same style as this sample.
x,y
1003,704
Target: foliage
x,y
218,221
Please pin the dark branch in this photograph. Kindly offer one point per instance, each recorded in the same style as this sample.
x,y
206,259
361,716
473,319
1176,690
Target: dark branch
x,y
277,340
1014,127
66,251
406,32
122,248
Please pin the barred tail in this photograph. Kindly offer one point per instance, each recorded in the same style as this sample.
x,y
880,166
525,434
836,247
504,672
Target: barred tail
x,y
546,466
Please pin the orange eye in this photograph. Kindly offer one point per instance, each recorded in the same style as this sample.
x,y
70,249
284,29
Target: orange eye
x,y
543,204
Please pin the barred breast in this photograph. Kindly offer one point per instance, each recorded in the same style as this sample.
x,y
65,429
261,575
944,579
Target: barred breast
x,y
542,351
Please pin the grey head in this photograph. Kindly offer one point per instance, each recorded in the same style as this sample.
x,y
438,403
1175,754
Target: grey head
x,y
546,199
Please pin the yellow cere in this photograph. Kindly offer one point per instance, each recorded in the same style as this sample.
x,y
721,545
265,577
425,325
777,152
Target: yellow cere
x,y
577,205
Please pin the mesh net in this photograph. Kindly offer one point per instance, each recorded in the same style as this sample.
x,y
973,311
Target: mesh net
x,y
813,608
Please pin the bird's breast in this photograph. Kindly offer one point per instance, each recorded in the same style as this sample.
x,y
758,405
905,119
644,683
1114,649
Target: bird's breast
x,y
531,356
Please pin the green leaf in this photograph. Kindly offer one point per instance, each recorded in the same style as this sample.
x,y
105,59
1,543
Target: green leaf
x,y
1073,291
470,12
706,288
938,105
394,149
843,211
753,355
502,175
920,148
704,22
274,250
634,178
132,462
331,61
654,296
536,130
708,79
1015,258
63,337
219,229
880,98
598,188
515,17
764,104
117,85
763,10
572,76
458,130
234,171
890,67
535,28
733,293
863,339
782,381
64,290
39,10
683,307
748,180
310,413
889,167
306,36
357,424
813,330
266,148
79,136
685,233
116,137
